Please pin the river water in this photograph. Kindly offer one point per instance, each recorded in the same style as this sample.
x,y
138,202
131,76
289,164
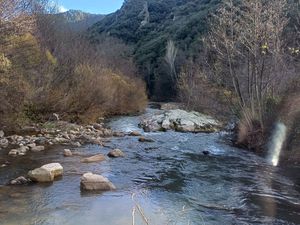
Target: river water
x,y
170,181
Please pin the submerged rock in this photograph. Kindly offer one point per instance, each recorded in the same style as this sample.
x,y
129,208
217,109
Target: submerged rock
x,y
41,175
67,152
119,134
93,182
180,120
115,153
95,158
205,152
144,139
135,134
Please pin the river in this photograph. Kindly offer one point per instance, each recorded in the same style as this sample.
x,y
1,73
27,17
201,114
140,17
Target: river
x,y
170,180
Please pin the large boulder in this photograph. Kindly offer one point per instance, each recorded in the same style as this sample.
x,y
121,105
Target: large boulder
x,y
41,175
95,182
95,158
116,153
54,168
180,120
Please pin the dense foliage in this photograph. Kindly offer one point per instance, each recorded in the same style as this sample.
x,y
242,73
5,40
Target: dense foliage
x,y
149,25
212,54
47,66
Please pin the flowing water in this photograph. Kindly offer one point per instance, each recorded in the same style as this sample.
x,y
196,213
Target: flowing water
x,y
170,180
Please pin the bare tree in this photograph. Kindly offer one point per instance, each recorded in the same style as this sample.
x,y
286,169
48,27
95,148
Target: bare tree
x,y
170,57
248,41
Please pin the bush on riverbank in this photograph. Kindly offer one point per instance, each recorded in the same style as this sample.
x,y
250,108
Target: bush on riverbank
x,y
46,70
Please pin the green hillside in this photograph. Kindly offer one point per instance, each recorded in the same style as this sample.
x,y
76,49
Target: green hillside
x,y
148,25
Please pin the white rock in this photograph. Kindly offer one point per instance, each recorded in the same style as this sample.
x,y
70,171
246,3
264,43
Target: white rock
x,y
41,175
90,181
95,158
13,152
1,133
180,120
54,168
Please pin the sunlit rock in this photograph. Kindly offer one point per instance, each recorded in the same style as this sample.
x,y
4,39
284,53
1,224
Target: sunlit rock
x,y
54,168
95,158
116,153
90,182
180,120
67,153
41,175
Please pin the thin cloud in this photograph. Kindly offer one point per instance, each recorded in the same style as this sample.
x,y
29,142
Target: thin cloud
x,y
57,7
61,9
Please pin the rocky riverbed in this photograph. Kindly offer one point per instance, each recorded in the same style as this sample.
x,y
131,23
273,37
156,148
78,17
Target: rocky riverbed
x,y
171,177
39,137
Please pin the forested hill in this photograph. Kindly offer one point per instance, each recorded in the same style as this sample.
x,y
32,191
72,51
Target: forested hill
x,y
148,25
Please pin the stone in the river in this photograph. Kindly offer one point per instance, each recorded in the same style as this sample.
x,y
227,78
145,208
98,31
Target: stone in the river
x,y
93,182
115,153
67,152
41,175
144,139
118,134
13,152
135,133
180,120
54,168
37,148
76,144
95,158
19,181
20,151
205,152
4,143
1,133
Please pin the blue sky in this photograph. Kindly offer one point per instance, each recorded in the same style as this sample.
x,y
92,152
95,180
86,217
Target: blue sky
x,y
91,6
